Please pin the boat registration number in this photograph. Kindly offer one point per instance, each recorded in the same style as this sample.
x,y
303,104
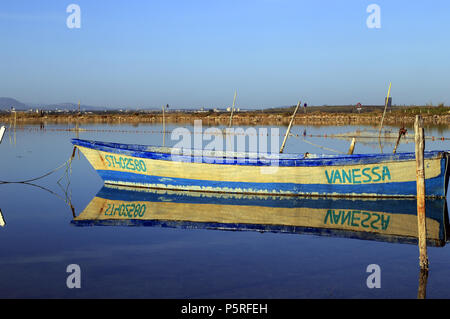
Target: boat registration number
x,y
131,164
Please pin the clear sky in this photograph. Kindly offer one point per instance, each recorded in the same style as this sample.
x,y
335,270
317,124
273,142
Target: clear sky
x,y
192,53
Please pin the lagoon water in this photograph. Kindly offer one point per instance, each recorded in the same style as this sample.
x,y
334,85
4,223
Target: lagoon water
x,y
39,239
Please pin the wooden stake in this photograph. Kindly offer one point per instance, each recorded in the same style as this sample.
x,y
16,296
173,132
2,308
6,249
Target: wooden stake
x,y
396,144
423,278
164,126
420,176
15,120
385,107
2,131
352,147
289,127
2,220
232,109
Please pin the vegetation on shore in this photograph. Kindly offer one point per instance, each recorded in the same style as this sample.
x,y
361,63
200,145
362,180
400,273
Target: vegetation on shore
x,y
316,115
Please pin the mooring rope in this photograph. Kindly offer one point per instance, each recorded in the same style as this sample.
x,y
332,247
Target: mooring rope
x,y
338,136
322,147
66,164
67,200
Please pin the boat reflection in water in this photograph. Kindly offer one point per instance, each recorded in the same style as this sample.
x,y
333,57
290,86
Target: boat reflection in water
x,y
388,220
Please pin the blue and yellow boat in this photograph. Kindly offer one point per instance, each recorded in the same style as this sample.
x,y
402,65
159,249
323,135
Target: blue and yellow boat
x,y
386,220
363,175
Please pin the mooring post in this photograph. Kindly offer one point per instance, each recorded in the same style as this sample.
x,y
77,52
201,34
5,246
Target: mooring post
x,y
420,177
423,278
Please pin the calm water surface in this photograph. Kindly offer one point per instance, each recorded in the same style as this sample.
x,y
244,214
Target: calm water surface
x,y
39,239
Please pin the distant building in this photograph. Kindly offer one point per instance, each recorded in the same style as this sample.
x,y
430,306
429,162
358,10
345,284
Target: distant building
x,y
202,110
359,107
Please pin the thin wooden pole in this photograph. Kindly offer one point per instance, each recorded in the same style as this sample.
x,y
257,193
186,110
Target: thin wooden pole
x,y
232,109
164,126
352,147
420,176
385,107
289,127
15,121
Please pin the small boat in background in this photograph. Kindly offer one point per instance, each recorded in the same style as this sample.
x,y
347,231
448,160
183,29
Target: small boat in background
x,y
387,220
363,175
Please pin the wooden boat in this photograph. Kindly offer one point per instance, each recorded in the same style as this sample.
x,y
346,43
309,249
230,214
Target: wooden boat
x,y
388,220
364,175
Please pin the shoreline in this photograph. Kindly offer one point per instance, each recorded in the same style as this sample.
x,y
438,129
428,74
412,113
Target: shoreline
x,y
396,118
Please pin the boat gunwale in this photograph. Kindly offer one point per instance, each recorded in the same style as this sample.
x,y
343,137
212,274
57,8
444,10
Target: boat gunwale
x,y
248,158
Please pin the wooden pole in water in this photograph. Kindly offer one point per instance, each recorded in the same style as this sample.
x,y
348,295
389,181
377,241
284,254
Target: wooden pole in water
x,y
385,107
420,176
422,290
232,109
289,127
2,131
352,147
2,220
164,126
15,120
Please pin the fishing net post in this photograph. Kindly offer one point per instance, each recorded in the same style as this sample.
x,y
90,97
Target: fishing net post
x,y
420,176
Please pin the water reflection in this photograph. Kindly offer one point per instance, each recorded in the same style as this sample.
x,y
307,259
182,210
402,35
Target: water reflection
x,y
387,220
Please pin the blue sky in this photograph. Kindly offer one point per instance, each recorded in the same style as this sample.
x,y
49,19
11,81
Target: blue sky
x,y
197,53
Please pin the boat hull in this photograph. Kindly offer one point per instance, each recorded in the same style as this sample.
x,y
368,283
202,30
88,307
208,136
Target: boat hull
x,y
380,175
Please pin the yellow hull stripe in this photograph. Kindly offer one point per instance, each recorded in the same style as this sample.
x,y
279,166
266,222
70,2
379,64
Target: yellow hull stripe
x,y
390,172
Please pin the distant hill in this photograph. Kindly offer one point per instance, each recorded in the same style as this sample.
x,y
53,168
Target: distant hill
x,y
6,103
69,107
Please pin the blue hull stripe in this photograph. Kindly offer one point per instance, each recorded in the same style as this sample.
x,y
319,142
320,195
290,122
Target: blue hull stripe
x,y
433,187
